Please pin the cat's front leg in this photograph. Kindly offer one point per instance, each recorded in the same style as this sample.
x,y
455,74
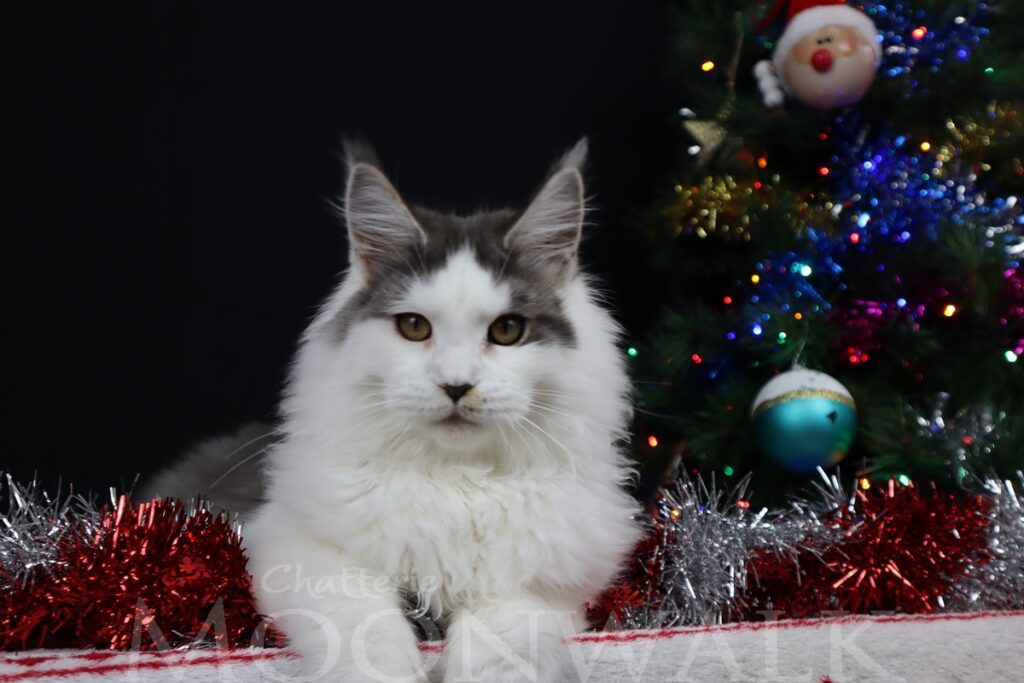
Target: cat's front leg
x,y
346,623
508,641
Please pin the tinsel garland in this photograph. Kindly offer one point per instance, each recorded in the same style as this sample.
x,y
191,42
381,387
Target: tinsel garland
x,y
162,574
140,576
709,558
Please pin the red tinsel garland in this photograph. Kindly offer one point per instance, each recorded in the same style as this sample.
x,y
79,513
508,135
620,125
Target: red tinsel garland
x,y
887,549
147,576
899,550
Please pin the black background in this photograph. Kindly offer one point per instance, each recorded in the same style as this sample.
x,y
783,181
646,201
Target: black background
x,y
167,234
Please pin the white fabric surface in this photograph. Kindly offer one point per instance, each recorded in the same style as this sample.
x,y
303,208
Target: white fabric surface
x,y
983,647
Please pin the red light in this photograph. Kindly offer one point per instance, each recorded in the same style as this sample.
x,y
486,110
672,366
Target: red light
x,y
696,359
652,441
757,185
854,360
968,440
855,237
919,32
823,136
823,170
743,504
728,409
726,300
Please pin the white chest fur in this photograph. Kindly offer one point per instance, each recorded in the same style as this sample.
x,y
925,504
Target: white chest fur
x,y
461,534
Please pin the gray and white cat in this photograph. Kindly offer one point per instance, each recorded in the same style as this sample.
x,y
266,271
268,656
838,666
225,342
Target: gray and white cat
x,y
451,433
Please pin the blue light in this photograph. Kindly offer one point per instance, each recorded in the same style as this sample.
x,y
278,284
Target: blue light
x,y
863,220
901,302
868,165
756,329
730,335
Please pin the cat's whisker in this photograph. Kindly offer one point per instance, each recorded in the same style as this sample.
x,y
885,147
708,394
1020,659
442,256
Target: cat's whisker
x,y
536,426
561,413
250,442
241,462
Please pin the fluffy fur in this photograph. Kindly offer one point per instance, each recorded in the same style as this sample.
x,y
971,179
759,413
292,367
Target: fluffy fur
x,y
500,513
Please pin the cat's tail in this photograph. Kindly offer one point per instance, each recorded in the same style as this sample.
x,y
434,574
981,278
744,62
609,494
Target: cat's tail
x,y
226,470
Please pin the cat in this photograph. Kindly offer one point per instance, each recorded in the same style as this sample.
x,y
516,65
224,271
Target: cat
x,y
451,433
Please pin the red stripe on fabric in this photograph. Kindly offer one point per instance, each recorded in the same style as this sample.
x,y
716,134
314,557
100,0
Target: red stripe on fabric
x,y
630,636
92,655
157,659
156,663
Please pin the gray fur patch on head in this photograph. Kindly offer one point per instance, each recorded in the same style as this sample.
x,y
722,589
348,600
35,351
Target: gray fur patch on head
x,y
534,252
533,293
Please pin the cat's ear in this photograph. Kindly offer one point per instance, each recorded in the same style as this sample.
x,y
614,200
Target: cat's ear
x,y
549,231
380,226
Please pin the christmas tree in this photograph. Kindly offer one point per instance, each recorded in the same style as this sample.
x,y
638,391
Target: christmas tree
x,y
868,230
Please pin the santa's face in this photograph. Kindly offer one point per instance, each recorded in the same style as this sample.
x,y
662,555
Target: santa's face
x,y
831,67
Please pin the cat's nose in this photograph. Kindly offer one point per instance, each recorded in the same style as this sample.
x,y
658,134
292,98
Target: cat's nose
x,y
456,391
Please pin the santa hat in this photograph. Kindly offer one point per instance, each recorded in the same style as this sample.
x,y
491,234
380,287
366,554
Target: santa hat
x,y
806,17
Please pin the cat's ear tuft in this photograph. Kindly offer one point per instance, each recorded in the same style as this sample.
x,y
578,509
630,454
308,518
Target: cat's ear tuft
x,y
380,226
549,230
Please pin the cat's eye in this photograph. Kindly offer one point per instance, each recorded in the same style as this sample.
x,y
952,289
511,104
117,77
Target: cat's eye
x,y
413,326
506,330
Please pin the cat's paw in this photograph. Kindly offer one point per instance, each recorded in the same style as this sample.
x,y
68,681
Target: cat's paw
x,y
495,668
381,663
385,652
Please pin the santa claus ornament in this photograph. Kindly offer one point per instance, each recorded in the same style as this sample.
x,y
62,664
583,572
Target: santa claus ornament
x,y
826,57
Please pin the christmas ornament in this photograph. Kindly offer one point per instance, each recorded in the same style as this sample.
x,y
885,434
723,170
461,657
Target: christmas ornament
x,y
826,57
804,419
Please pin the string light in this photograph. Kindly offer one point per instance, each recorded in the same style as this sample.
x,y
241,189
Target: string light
x,y
652,441
707,66
632,352
823,171
919,32
696,359
755,278
1010,356
926,146
949,311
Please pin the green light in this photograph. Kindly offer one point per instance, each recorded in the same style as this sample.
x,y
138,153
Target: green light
x,y
728,470
903,479
806,271
989,70
782,337
961,472
1010,356
632,353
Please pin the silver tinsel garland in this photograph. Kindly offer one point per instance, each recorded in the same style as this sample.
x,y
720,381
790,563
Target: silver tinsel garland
x,y
998,584
707,536
32,526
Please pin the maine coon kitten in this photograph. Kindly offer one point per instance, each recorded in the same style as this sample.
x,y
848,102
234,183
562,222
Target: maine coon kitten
x,y
450,433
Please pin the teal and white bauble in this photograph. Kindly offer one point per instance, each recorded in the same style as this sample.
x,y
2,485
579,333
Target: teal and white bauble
x,y
804,419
